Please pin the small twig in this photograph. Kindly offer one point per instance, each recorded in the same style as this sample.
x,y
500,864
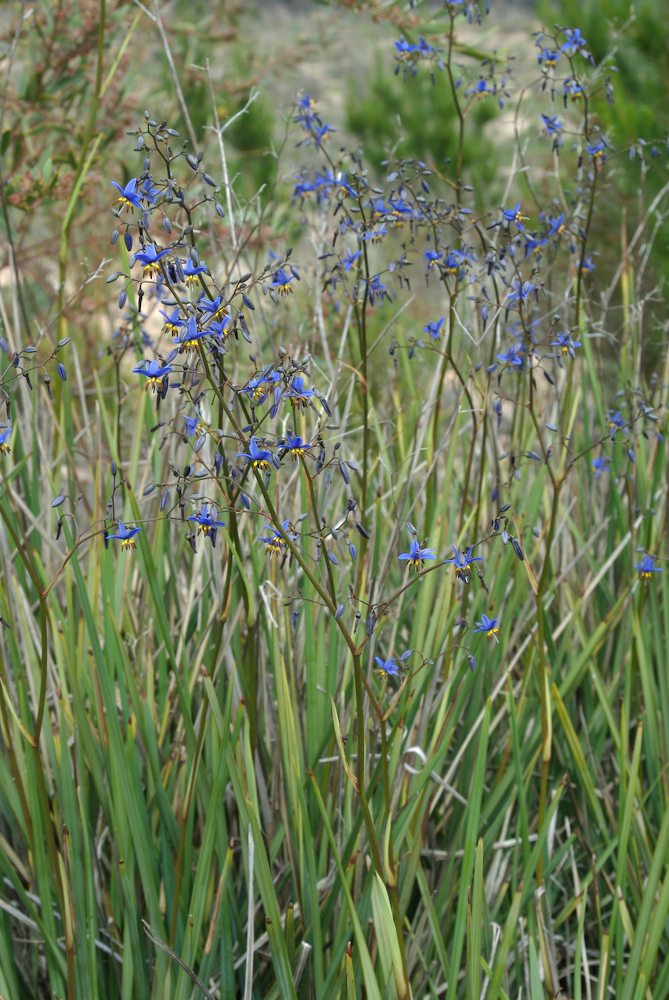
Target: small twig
x,y
151,934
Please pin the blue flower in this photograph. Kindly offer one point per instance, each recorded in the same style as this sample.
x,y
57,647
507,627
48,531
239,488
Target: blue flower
x,y
454,261
463,562
191,425
5,434
258,458
520,291
434,328
554,128
149,192
192,336
376,289
514,356
597,150
375,234
573,89
349,259
489,626
399,210
514,215
647,567
556,226
149,257
128,194
306,105
282,282
173,322
406,50
481,88
566,344
214,307
294,446
153,372
256,390
321,133
275,543
600,465
387,668
207,522
191,271
416,555
297,394
616,423
432,258
126,535
574,43
409,54
219,328
548,58
534,246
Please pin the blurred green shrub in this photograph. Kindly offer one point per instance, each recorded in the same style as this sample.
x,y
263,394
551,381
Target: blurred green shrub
x,y
636,35
422,115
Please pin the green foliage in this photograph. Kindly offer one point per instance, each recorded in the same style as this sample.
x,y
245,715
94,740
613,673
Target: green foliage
x,y
251,138
420,117
633,35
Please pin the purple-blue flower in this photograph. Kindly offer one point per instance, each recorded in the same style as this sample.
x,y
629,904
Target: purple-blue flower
x,y
463,562
173,322
520,291
434,328
126,535
514,356
191,336
489,626
597,150
574,43
283,282
207,522
257,458
294,446
514,215
191,271
387,668
600,465
5,434
153,372
566,344
128,197
647,567
275,543
297,394
149,258
416,556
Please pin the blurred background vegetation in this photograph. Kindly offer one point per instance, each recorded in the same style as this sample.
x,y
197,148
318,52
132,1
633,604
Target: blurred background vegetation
x,y
280,49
